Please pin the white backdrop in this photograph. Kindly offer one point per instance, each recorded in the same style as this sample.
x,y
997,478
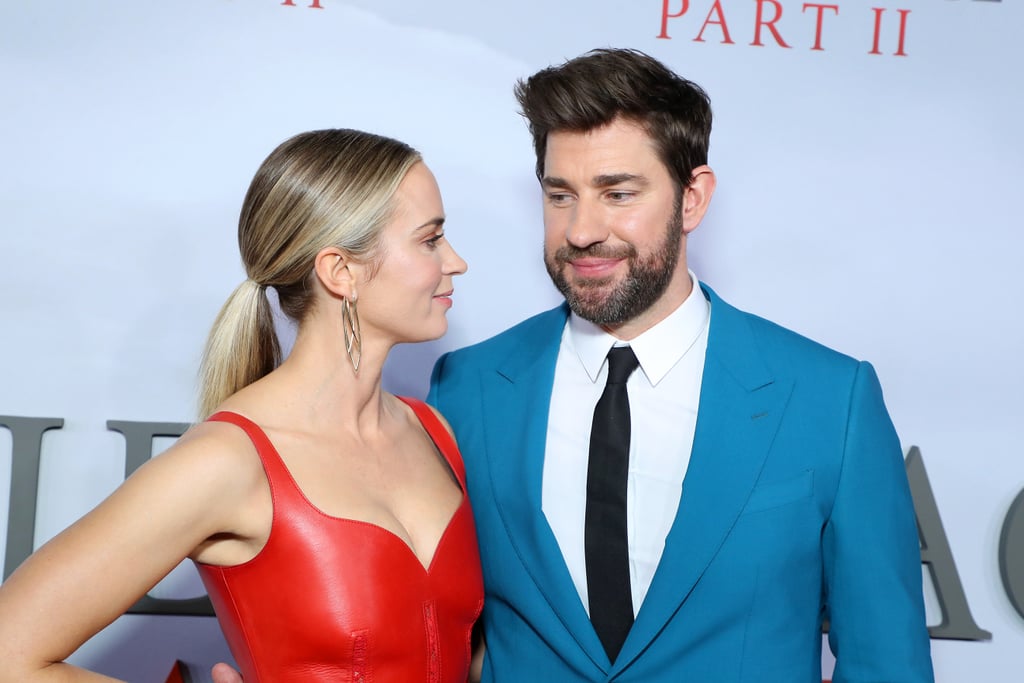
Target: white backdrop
x,y
866,200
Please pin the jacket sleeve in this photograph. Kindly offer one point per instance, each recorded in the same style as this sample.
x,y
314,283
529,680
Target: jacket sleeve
x,y
872,556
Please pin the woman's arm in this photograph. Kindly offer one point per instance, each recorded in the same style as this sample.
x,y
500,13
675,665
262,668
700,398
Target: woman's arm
x,y
207,484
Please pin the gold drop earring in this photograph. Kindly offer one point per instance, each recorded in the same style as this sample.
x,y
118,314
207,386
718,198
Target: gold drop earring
x,y
350,329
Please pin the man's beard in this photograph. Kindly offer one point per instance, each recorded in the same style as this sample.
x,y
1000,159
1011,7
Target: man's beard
x,y
645,282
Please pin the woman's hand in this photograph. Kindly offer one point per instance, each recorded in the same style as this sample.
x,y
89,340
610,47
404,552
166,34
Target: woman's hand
x,y
223,673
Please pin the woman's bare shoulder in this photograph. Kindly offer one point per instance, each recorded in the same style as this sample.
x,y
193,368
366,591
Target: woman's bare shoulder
x,y
216,461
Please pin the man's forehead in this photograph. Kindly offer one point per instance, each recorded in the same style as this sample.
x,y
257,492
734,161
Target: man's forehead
x,y
617,128
620,137
604,158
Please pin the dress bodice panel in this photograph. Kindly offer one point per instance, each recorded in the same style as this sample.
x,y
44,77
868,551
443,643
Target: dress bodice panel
x,y
334,599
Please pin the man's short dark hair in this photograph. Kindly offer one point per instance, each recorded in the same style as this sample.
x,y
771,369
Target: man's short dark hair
x,y
593,90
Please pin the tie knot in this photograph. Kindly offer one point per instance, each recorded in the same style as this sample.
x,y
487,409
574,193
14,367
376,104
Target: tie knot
x,y
621,364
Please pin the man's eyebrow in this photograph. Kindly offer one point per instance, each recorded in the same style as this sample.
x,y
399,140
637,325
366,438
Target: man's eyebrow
x,y
610,179
554,182
603,180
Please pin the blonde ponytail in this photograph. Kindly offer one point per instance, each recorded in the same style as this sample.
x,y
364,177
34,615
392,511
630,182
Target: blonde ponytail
x,y
241,348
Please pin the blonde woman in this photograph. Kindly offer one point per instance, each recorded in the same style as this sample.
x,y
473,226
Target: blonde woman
x,y
328,518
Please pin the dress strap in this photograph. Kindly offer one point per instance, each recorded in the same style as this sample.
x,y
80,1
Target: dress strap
x,y
440,435
274,467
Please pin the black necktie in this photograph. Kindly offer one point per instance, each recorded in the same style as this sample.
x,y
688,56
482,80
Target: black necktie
x,y
605,542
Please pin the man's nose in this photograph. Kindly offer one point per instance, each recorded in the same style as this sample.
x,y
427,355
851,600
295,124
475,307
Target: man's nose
x,y
587,224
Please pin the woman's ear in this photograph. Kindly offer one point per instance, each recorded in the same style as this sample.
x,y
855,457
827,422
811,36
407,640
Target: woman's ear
x,y
337,272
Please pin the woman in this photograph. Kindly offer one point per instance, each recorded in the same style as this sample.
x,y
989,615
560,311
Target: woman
x,y
327,517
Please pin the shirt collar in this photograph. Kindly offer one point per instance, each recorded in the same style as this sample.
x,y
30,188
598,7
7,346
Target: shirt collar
x,y
658,349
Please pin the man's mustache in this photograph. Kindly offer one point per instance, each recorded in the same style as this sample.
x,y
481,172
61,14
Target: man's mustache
x,y
568,253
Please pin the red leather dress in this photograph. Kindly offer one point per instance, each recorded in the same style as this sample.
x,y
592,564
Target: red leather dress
x,y
332,599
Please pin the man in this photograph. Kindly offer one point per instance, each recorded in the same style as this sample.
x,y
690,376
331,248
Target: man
x,y
699,516
765,488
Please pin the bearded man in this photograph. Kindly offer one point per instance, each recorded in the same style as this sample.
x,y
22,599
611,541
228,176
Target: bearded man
x,y
666,488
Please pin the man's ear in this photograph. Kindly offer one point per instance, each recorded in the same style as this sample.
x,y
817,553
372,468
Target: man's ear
x,y
337,272
697,197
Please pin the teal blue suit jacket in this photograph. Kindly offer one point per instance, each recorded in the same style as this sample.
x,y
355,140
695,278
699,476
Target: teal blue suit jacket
x,y
795,508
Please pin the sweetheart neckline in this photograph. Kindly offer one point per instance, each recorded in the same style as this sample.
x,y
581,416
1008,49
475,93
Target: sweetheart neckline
x,y
425,568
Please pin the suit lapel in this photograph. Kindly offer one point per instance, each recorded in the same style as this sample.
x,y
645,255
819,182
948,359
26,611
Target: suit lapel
x,y
518,394
741,405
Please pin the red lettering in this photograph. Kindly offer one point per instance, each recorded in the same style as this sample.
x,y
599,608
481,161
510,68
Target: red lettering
x,y
878,29
665,16
770,24
291,3
901,42
715,9
817,27
903,32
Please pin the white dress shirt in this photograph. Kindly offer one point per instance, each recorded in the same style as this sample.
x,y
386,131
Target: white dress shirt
x,y
663,397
